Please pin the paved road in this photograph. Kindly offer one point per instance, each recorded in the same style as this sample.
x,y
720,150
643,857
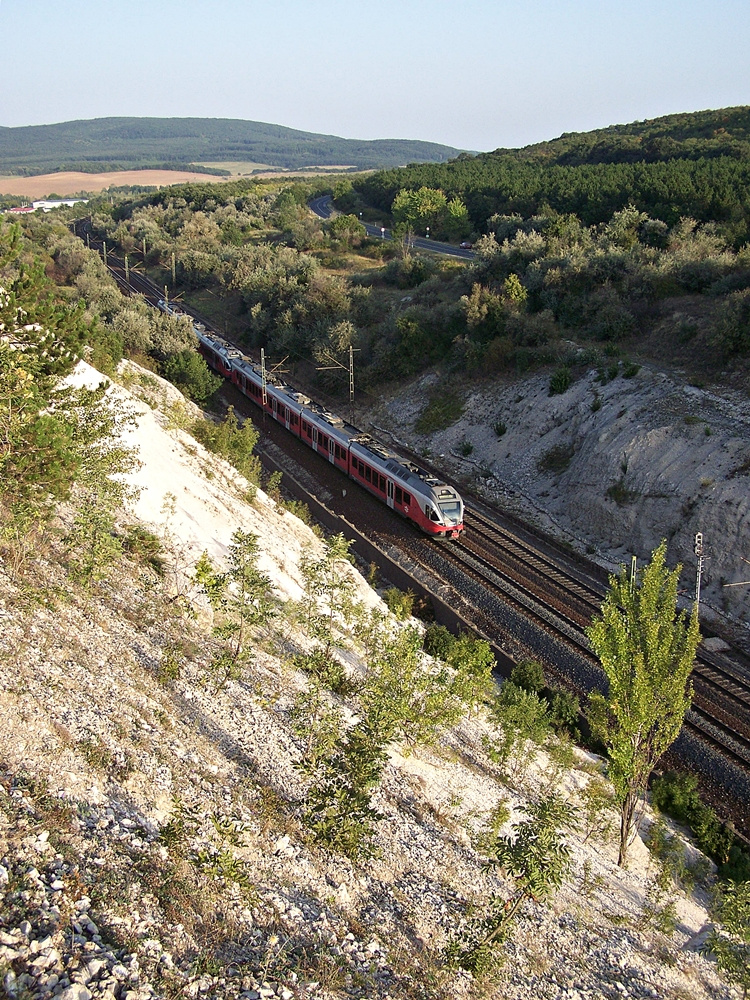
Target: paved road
x,y
323,207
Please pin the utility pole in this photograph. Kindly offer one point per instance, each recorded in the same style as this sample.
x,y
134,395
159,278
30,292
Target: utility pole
x,y
350,368
127,271
166,299
173,270
104,246
263,377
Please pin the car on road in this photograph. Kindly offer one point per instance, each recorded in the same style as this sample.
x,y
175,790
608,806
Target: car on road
x,y
466,245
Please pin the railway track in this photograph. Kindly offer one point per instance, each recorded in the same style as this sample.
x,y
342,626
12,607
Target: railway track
x,y
573,597
512,586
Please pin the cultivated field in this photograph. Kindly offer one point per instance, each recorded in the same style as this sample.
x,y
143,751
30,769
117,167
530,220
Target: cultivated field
x,y
68,183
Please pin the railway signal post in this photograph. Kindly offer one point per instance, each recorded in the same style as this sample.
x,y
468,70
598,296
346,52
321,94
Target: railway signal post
x,y
698,549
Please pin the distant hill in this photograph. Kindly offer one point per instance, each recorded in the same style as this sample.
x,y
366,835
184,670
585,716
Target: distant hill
x,y
695,164
104,144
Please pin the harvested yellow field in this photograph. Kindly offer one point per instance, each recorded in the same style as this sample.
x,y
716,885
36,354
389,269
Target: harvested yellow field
x,y
67,183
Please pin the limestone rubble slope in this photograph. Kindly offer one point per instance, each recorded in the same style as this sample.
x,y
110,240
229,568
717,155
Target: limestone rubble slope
x,y
150,835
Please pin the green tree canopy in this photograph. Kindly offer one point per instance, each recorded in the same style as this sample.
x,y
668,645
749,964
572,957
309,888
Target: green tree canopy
x,y
646,648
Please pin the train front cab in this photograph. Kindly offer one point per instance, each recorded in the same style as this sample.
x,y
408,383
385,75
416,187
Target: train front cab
x,y
442,516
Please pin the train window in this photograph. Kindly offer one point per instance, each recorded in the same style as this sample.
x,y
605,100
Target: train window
x,y
305,427
368,474
323,441
399,495
382,483
407,497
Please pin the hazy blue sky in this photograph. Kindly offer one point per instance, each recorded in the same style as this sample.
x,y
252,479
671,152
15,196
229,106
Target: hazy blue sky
x,y
476,74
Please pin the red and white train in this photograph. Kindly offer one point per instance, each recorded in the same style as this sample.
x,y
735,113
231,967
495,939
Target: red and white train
x,y
433,506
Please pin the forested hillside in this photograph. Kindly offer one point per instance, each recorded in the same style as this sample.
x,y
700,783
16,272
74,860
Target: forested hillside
x,y
131,143
695,165
272,275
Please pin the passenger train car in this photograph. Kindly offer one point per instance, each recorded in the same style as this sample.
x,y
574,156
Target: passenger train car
x,y
432,505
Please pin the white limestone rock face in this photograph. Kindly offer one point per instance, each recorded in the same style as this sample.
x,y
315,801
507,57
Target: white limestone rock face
x,y
628,462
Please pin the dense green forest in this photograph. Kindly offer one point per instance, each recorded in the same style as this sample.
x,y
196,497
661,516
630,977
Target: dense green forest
x,y
104,144
695,165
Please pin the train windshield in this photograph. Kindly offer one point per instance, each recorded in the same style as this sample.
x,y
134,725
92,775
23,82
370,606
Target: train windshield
x,y
452,510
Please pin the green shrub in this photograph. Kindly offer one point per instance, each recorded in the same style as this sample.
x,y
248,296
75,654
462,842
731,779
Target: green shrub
x,y
192,376
521,716
620,493
339,813
732,335
556,459
405,698
142,544
565,711
443,409
328,670
473,661
529,675
732,948
712,836
537,857
499,427
400,603
677,795
300,509
170,664
560,381
273,486
737,867
233,440
466,448
438,641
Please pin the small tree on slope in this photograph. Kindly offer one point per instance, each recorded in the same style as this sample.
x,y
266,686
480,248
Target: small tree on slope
x,y
647,650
